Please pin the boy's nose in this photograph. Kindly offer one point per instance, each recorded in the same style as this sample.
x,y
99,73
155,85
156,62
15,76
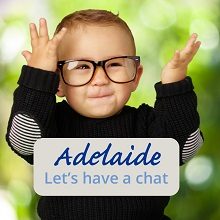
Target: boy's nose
x,y
100,77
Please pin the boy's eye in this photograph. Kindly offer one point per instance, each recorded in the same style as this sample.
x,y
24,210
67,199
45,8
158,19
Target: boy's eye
x,y
82,66
76,65
114,64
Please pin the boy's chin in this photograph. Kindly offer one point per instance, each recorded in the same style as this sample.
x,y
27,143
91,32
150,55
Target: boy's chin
x,y
98,111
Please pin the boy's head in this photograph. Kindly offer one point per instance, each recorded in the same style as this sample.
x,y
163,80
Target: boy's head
x,y
97,35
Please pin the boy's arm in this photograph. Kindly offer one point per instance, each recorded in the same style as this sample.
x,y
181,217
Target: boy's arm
x,y
175,115
176,103
33,111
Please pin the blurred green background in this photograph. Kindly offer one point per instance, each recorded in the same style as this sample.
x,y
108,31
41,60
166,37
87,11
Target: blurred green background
x,y
159,27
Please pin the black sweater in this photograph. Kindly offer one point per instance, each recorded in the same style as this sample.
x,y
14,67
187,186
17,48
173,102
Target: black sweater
x,y
174,116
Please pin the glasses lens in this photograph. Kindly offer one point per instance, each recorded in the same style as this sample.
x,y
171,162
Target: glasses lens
x,y
77,73
121,69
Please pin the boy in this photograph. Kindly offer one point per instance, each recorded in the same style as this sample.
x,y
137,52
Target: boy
x,y
98,71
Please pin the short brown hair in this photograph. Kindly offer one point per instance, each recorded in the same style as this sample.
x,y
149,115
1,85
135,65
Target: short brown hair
x,y
94,16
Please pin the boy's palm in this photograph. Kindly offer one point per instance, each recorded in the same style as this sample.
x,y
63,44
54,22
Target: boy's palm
x,y
176,69
44,50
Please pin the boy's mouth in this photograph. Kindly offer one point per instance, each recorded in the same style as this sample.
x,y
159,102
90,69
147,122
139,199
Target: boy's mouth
x,y
100,96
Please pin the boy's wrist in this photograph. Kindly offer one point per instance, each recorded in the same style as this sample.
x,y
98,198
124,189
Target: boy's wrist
x,y
39,79
175,88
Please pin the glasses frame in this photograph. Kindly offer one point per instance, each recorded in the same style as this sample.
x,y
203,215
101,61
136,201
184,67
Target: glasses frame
x,y
100,63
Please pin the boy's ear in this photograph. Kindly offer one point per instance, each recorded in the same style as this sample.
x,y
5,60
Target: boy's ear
x,y
138,77
60,91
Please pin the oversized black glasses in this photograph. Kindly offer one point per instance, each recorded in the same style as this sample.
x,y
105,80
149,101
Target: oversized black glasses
x,y
121,69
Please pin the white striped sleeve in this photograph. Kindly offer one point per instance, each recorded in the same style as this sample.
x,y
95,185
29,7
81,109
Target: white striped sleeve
x,y
192,145
24,133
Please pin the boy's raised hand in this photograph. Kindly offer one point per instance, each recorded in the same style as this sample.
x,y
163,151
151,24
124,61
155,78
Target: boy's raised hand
x,y
176,69
44,50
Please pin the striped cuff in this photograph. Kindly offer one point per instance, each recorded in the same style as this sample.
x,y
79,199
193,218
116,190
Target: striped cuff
x,y
23,134
192,145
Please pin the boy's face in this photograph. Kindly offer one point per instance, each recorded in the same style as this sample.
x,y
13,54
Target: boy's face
x,y
100,98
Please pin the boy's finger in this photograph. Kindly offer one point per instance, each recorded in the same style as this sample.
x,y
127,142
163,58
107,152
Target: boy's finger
x,y
176,58
55,41
190,44
196,48
59,36
43,30
27,55
191,48
189,57
33,33
192,40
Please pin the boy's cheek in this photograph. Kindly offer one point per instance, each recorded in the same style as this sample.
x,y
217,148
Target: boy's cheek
x,y
74,95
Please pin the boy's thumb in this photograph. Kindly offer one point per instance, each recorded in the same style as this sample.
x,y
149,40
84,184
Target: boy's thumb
x,y
27,55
